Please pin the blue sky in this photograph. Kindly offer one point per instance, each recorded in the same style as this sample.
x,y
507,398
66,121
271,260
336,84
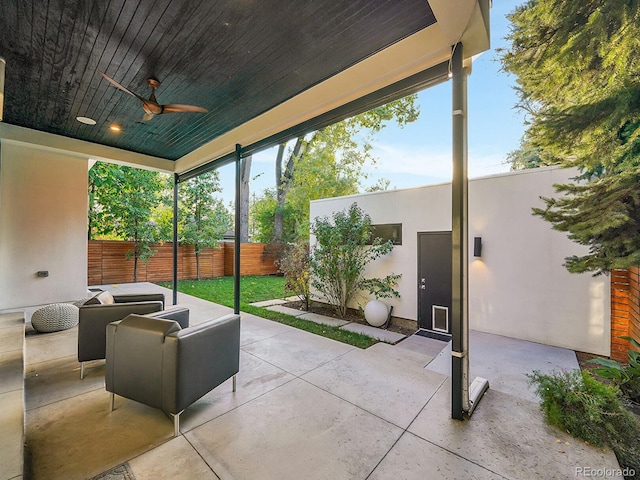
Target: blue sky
x,y
420,153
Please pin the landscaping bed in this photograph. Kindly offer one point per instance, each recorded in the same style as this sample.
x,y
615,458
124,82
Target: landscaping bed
x,y
260,288
352,315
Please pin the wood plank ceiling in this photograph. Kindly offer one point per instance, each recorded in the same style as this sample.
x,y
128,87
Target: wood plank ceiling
x,y
237,58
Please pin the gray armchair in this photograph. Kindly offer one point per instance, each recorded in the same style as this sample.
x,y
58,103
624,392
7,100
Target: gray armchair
x,y
97,312
156,362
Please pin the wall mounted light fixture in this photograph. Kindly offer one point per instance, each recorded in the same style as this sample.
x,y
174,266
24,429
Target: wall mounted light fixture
x,y
477,246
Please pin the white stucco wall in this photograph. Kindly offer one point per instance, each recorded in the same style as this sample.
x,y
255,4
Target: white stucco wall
x,y
519,287
43,226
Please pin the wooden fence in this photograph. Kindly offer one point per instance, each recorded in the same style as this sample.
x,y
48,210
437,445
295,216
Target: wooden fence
x,y
107,262
255,259
625,310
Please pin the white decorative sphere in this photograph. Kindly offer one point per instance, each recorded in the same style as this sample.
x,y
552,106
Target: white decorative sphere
x,y
376,313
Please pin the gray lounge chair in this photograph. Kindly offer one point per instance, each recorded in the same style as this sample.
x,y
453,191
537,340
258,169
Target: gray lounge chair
x,y
97,312
158,363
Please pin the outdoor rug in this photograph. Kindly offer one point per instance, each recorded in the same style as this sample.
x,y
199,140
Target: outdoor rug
x,y
121,472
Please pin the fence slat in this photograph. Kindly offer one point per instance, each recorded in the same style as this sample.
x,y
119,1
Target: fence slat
x,y
625,310
107,262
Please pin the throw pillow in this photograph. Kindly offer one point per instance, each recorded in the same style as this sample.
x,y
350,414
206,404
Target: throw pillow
x,y
104,298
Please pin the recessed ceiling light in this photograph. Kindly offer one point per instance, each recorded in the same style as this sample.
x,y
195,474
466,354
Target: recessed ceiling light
x,y
86,120
115,128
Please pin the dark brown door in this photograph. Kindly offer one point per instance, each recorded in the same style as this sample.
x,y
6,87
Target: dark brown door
x,y
434,281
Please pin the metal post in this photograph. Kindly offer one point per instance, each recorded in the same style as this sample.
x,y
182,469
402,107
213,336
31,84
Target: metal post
x,y
175,238
236,254
459,234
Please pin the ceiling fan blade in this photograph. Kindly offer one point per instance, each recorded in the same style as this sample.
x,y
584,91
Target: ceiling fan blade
x,y
150,104
176,107
117,85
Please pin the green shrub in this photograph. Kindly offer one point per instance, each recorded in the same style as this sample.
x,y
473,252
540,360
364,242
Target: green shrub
x,y
625,376
294,265
579,404
344,246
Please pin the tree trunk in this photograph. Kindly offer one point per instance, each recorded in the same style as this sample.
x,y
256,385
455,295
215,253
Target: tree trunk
x,y
278,220
197,262
136,253
135,267
245,176
283,182
92,190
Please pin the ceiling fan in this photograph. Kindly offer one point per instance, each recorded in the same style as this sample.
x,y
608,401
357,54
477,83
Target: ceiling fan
x,y
151,106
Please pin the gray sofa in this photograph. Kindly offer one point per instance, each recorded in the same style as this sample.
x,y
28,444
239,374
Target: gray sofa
x,y
158,363
98,311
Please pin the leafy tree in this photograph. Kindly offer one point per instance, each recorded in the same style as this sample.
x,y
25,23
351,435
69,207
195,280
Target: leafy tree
x,y
322,174
203,218
344,247
100,185
124,203
263,213
578,76
162,215
137,205
245,173
326,163
381,185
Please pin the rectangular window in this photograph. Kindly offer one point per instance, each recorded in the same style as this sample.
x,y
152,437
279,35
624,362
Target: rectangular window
x,y
388,231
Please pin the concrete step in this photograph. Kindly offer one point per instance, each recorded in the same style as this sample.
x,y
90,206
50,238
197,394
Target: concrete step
x,y
12,413
269,303
373,332
424,345
275,301
286,310
323,319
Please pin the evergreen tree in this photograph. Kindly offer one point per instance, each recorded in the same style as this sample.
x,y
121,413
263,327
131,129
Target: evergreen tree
x,y
578,75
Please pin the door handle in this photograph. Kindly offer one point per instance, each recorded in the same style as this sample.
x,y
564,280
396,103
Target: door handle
x,y
423,287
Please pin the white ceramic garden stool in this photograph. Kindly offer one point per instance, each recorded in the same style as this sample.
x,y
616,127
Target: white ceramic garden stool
x,y
55,317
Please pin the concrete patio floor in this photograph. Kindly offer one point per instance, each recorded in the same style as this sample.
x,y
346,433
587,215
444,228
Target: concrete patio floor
x,y
305,407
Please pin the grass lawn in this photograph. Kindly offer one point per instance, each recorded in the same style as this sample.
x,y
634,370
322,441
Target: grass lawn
x,y
259,288
220,290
